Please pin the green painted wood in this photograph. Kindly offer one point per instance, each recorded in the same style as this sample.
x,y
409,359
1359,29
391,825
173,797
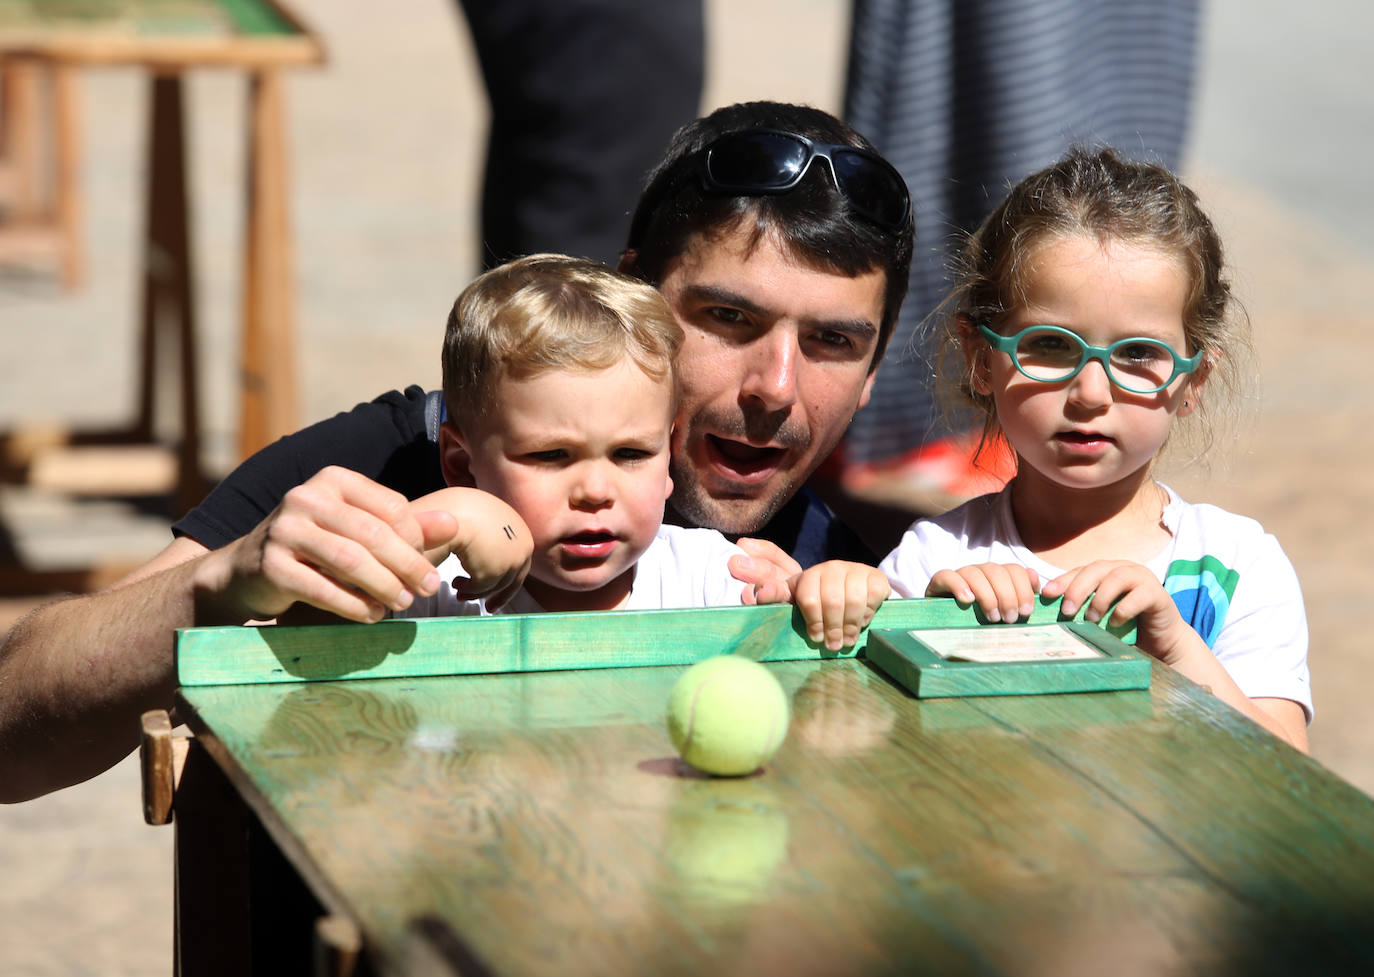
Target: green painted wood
x,y
256,17
542,818
903,656
527,642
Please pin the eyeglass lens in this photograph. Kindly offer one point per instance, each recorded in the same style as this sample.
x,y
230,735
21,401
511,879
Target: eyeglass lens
x,y
1141,365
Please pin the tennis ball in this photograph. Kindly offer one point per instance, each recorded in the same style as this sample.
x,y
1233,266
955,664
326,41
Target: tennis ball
x,y
727,715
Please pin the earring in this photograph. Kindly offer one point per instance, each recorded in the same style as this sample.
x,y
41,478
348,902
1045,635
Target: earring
x,y
1186,404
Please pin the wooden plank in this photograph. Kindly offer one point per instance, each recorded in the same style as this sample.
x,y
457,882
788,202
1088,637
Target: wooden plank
x,y
528,642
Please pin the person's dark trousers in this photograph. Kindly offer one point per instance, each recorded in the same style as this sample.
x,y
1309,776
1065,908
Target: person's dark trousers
x,y
584,96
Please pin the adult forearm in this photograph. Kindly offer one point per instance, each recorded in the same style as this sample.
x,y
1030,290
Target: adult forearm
x,y
75,676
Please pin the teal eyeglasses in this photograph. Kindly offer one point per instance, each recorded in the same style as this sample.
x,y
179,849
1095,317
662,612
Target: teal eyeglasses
x,y
1053,354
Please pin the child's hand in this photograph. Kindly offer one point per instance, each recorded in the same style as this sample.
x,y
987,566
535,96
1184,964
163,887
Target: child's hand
x,y
1136,593
1162,633
492,541
1004,592
837,600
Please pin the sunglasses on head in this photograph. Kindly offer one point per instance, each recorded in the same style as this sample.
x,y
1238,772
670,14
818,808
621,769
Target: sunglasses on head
x,y
770,161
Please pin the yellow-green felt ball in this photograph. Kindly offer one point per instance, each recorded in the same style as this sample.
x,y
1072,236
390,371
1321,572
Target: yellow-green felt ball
x,y
727,715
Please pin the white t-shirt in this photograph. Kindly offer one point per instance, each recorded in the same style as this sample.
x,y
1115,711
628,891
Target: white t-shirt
x,y
1230,579
681,568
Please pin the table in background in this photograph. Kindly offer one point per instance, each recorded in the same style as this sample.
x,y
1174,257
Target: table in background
x,y
538,823
169,38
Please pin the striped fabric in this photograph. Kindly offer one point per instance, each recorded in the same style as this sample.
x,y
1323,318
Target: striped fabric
x,y
966,97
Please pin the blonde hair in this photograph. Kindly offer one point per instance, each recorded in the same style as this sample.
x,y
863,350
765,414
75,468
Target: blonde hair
x,y
1101,194
551,312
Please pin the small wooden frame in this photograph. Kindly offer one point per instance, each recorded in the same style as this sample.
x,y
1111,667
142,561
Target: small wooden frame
x,y
1009,659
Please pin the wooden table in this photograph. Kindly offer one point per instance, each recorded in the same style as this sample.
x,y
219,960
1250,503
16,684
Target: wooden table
x,y
169,38
538,823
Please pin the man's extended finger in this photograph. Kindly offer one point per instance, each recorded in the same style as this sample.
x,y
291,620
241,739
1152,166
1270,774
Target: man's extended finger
x,y
762,549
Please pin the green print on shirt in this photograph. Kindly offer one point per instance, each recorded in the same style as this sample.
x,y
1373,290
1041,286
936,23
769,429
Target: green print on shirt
x,y
1202,590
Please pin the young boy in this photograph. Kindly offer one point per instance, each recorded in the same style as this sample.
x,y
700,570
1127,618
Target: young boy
x,y
559,378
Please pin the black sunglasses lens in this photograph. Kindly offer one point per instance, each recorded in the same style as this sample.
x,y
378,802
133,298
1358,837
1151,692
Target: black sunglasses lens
x,y
874,190
756,160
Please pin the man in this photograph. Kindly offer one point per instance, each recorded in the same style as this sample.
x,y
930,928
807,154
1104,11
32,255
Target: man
x,y
781,243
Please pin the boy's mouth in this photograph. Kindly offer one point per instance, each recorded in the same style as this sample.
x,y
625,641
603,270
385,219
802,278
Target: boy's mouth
x,y
592,544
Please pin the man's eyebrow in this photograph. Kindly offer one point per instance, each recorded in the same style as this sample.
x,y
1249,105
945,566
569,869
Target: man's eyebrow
x,y
720,295
861,329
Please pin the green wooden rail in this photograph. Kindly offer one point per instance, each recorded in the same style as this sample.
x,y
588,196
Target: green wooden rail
x,y
531,642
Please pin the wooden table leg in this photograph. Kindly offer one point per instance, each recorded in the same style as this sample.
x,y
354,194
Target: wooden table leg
x,y
213,903
268,406
19,149
67,143
168,284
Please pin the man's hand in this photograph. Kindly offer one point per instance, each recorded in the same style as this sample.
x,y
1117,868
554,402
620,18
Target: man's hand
x,y
768,569
339,542
490,539
1004,592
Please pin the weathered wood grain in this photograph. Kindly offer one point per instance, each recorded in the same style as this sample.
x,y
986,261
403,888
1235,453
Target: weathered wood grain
x,y
543,818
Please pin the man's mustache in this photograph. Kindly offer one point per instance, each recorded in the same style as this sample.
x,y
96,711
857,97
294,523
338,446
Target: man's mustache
x,y
777,428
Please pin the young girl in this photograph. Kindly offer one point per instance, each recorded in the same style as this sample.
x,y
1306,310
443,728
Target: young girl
x,y
1089,313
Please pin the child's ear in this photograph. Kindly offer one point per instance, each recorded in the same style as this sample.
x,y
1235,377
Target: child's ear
x,y
975,351
1193,390
453,456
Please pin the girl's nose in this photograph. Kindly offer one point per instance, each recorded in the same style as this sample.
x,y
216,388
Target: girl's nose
x,y
1091,387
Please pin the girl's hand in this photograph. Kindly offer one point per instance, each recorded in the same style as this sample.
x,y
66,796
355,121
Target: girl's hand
x,y
491,540
1004,592
1162,633
837,599
1117,591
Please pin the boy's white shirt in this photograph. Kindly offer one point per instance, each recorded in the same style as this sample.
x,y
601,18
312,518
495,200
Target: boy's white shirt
x,y
681,568
1258,630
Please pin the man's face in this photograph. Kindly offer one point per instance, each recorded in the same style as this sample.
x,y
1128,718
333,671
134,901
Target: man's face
x,y
774,365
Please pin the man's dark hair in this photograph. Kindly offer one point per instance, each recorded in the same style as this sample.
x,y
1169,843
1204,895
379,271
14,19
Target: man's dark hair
x,y
814,221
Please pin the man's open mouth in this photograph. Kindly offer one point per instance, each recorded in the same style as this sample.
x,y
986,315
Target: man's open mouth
x,y
743,459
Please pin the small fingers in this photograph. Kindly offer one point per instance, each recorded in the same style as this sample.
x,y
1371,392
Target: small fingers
x,y
1003,592
838,600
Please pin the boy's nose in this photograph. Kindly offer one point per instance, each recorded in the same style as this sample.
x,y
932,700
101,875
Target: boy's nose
x,y
591,488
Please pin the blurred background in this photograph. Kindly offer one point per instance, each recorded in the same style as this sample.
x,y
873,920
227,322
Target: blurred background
x,y
385,146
